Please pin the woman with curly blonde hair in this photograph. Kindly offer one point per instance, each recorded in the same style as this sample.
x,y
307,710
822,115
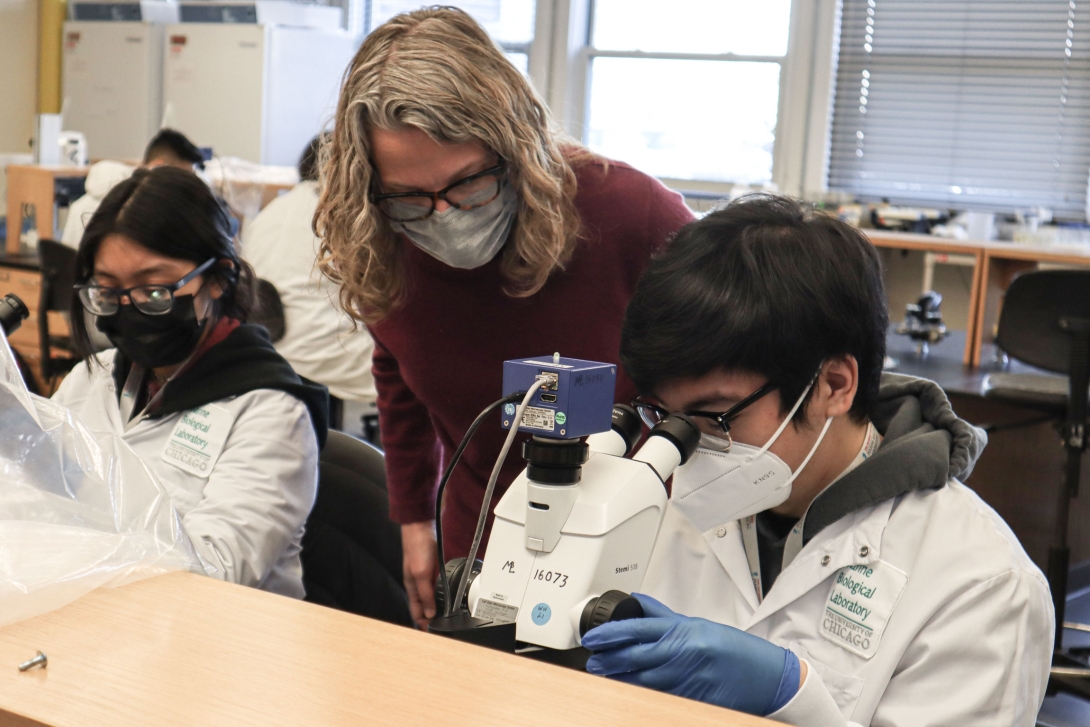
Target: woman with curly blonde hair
x,y
465,229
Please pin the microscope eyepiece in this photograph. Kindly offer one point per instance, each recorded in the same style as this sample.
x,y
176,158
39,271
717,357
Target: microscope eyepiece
x,y
13,312
682,433
627,423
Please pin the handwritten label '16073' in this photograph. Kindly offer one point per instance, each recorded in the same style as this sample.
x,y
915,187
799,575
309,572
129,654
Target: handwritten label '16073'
x,y
558,579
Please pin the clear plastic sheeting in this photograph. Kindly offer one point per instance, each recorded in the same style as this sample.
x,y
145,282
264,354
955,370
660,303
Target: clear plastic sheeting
x,y
242,184
78,509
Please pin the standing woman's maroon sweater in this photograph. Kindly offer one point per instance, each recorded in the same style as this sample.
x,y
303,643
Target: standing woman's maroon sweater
x,y
439,356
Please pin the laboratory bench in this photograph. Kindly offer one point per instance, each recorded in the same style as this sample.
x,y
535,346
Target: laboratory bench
x,y
186,649
38,191
943,363
993,265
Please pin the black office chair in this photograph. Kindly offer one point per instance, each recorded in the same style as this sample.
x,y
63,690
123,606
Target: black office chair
x,y
1045,322
58,270
351,550
269,311
336,413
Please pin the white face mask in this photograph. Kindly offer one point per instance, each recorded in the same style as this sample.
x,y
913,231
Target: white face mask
x,y
465,239
718,485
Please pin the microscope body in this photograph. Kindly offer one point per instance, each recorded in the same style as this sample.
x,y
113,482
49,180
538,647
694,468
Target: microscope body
x,y
573,534
543,566
923,322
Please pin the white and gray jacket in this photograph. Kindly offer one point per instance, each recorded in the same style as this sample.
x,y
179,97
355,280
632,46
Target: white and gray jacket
x,y
911,600
242,471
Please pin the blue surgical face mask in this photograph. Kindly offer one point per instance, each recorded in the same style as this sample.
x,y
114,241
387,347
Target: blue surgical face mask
x,y
465,239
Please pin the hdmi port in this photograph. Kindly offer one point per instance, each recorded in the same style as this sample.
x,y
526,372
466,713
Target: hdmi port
x,y
548,398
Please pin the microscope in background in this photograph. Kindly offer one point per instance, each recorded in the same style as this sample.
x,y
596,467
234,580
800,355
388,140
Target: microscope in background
x,y
923,322
12,313
573,534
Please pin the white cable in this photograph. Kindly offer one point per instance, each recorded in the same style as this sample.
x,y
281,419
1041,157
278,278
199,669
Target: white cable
x,y
483,518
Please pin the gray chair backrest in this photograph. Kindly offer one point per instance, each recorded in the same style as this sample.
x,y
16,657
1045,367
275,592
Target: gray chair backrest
x,y
345,451
1029,325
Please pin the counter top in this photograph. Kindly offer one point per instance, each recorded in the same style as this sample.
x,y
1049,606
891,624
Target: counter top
x,y
184,649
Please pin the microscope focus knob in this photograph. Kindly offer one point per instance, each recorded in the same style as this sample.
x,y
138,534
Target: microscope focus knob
x,y
610,606
455,568
12,313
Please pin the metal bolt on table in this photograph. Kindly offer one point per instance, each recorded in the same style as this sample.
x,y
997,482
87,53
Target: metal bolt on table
x,y
41,659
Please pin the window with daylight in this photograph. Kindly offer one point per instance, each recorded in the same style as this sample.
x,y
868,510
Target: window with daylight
x,y
509,22
966,104
689,89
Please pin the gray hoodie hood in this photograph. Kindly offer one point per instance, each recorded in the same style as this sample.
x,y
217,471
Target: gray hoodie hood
x,y
924,445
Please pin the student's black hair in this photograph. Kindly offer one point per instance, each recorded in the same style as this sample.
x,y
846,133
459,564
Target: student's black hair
x,y
169,142
172,213
308,162
765,285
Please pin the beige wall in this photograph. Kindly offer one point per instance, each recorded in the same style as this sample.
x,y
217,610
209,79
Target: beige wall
x,y
18,76
18,73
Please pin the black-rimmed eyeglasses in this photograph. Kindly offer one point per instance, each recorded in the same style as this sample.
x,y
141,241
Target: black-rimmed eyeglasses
x,y
652,414
476,190
152,300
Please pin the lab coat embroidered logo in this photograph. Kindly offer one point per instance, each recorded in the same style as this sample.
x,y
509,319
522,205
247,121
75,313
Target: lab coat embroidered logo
x,y
860,602
197,439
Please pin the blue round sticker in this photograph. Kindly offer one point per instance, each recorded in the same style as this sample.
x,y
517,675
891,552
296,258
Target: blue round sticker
x,y
541,614
509,410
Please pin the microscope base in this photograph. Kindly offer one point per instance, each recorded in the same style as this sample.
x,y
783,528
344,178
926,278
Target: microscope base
x,y
479,631
572,658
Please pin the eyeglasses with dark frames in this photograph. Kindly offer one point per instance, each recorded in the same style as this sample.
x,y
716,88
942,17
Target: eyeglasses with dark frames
x,y
152,300
652,414
473,191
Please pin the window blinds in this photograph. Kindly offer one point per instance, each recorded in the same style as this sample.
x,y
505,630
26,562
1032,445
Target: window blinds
x,y
976,104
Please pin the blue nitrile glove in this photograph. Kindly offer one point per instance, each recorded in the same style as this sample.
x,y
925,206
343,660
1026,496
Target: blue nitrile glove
x,y
694,658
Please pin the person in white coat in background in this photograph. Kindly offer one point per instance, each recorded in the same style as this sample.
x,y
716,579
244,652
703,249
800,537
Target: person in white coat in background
x,y
319,341
166,148
101,178
200,395
820,561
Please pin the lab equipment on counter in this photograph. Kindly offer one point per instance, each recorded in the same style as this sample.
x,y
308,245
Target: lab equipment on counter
x,y
78,508
906,219
73,149
254,80
112,74
47,133
923,322
573,534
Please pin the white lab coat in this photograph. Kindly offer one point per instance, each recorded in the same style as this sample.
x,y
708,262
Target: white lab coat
x,y
967,643
320,341
246,517
101,178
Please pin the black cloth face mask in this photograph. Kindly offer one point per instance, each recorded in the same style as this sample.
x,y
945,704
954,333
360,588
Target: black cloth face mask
x,y
154,341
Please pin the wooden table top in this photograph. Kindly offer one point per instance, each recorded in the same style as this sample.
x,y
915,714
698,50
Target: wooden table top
x,y
1076,254
183,649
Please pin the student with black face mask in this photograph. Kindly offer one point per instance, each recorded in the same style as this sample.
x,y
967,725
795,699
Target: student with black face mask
x,y
200,395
